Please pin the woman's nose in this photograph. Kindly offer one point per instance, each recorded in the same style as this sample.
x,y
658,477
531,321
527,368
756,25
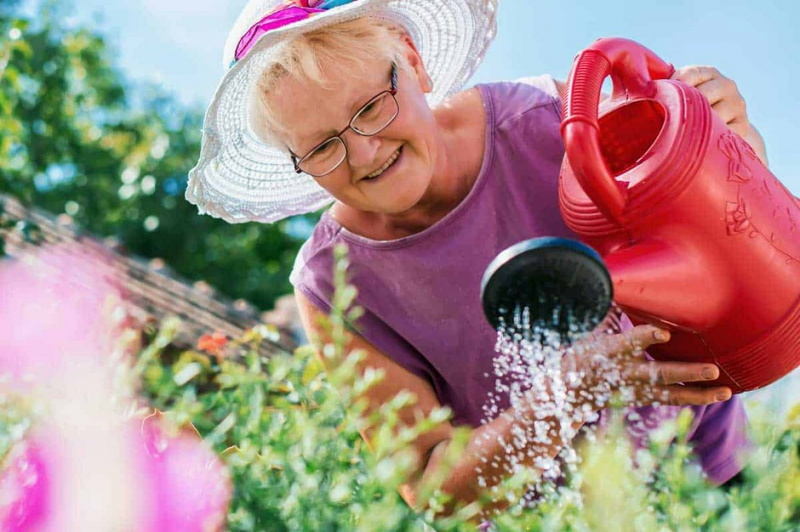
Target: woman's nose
x,y
362,152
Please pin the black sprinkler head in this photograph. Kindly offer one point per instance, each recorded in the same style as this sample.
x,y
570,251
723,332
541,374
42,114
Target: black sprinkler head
x,y
564,285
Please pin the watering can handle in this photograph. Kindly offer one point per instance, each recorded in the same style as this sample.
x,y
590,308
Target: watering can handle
x,y
632,68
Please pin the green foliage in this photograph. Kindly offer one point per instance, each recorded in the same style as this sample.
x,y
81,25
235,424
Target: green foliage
x,y
75,137
295,453
291,433
667,491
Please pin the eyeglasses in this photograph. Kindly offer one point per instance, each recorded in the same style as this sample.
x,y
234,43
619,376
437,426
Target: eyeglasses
x,y
371,119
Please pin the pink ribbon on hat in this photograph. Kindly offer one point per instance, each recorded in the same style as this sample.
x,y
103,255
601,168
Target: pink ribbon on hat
x,y
288,13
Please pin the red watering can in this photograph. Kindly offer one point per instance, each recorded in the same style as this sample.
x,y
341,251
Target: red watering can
x,y
697,234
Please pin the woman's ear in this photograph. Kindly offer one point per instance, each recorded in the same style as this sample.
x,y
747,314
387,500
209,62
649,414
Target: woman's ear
x,y
414,60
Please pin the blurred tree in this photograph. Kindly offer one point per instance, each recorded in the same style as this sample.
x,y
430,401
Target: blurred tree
x,y
76,137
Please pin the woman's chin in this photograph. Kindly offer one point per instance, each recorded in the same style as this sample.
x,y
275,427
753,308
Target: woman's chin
x,y
391,198
402,201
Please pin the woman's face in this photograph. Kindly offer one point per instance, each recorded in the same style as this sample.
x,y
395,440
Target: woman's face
x,y
311,114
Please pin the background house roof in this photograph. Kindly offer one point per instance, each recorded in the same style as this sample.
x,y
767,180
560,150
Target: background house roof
x,y
150,289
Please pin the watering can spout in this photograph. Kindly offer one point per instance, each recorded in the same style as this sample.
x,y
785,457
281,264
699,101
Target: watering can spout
x,y
658,283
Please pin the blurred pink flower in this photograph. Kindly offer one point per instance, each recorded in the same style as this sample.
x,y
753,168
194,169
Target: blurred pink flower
x,y
179,483
52,311
55,330
191,487
24,490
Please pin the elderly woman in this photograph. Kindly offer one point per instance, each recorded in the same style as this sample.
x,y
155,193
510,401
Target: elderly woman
x,y
358,103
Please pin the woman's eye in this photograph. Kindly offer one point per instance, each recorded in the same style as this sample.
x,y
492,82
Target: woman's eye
x,y
324,150
370,108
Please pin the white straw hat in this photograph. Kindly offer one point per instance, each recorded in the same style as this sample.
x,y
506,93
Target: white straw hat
x,y
238,177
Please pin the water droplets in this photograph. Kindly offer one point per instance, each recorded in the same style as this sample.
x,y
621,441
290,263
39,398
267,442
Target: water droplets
x,y
549,385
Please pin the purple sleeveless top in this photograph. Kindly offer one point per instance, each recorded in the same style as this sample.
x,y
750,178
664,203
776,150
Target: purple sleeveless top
x,y
421,293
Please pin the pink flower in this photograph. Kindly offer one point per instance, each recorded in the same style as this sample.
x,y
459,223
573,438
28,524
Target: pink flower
x,y
54,310
175,482
190,486
55,318
24,490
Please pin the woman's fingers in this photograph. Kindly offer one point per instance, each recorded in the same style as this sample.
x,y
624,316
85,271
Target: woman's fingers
x,y
663,382
721,92
666,373
695,75
733,113
617,362
631,342
716,90
677,395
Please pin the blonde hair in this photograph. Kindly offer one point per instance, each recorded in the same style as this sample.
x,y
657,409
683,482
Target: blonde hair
x,y
349,45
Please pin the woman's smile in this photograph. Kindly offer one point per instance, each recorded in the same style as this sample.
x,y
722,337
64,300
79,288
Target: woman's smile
x,y
389,167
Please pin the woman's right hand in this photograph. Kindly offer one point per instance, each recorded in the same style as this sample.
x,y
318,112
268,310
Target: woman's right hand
x,y
602,366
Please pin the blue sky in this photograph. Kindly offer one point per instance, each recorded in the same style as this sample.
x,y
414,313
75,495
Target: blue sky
x,y
178,43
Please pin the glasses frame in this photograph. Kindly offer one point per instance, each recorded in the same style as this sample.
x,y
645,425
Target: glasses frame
x,y
297,160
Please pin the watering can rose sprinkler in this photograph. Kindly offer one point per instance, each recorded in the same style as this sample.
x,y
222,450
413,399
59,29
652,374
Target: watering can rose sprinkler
x,y
696,234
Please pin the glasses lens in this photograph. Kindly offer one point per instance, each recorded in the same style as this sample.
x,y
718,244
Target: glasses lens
x,y
376,115
324,159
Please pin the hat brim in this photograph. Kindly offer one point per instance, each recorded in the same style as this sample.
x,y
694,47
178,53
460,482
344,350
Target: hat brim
x,y
239,178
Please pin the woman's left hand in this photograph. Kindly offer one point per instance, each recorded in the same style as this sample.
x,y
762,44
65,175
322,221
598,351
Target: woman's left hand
x,y
726,101
721,92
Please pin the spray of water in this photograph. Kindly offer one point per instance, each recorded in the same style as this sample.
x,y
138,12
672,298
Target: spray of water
x,y
563,373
